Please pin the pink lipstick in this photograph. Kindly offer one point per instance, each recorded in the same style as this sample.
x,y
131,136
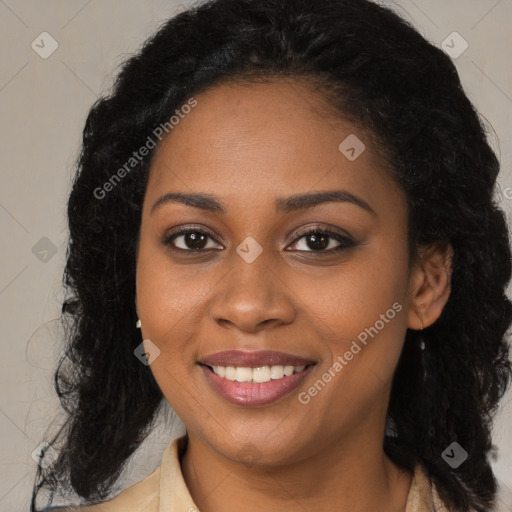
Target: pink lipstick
x,y
254,378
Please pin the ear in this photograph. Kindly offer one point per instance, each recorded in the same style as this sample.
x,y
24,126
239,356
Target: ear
x,y
430,285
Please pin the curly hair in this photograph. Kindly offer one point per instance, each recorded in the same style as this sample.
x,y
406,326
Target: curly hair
x,y
392,83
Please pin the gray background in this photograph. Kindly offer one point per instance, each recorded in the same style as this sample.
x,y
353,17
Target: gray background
x,y
43,103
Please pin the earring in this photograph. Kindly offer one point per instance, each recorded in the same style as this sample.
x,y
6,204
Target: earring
x,y
138,324
424,365
422,352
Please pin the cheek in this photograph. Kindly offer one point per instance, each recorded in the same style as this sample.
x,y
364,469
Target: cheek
x,y
168,295
167,301
359,315
353,298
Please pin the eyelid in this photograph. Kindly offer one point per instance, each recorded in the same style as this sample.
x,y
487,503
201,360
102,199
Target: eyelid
x,y
323,229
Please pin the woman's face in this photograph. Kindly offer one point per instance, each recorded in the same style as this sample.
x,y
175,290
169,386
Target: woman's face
x,y
246,278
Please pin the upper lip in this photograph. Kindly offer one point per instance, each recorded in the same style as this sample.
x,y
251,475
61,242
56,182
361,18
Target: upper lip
x,y
248,359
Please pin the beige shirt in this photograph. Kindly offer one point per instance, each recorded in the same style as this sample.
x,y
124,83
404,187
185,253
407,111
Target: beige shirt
x,y
165,490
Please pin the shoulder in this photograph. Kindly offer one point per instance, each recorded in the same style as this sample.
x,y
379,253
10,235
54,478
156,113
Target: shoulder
x,y
60,509
141,497
429,494
164,487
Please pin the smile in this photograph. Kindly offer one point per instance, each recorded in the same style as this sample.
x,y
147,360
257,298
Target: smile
x,y
255,386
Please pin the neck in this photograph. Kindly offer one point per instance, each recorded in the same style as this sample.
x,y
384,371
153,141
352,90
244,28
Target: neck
x,y
345,475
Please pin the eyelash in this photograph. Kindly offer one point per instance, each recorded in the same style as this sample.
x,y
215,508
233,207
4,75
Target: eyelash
x,y
345,241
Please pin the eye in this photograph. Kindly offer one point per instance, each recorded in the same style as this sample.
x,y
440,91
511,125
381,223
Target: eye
x,y
189,239
322,240
317,240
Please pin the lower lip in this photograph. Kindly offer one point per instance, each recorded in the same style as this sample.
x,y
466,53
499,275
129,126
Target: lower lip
x,y
246,393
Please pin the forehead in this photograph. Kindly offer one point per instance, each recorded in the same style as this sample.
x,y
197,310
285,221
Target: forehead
x,y
265,139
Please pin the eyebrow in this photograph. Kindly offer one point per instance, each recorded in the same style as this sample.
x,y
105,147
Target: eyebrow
x,y
282,204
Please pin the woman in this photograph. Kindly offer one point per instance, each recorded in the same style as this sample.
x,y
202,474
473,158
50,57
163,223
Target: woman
x,y
283,224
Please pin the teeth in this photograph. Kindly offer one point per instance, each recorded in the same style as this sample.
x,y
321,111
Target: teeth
x,y
277,372
257,375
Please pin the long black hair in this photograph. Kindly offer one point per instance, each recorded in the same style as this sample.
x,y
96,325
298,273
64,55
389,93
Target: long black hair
x,y
382,75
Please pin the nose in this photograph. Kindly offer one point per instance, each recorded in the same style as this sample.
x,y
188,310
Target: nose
x,y
252,296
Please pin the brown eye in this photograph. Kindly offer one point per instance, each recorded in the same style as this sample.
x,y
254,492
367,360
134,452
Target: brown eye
x,y
191,240
323,240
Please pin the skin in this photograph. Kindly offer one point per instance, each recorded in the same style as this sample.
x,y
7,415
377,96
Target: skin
x,y
249,145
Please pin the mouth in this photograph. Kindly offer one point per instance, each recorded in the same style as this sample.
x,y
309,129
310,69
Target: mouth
x,y
254,378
